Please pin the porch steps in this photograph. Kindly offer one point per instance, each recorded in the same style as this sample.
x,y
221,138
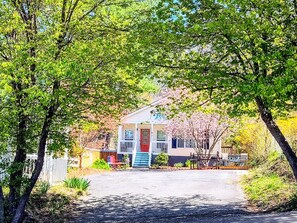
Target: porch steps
x,y
141,160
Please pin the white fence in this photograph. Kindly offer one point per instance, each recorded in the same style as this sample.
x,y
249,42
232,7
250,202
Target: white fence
x,y
5,160
53,171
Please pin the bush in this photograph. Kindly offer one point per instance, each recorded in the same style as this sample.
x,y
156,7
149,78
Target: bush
x,y
77,183
42,187
101,164
188,163
161,159
126,160
178,164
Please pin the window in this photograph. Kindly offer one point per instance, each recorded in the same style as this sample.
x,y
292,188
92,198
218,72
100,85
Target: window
x,y
180,143
190,143
162,147
206,143
185,143
161,135
129,135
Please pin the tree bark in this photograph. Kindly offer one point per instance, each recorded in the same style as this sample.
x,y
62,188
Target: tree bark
x,y
80,161
277,134
1,205
19,214
15,181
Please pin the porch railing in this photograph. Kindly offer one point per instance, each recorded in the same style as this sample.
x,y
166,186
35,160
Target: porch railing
x,y
150,154
127,146
159,147
134,153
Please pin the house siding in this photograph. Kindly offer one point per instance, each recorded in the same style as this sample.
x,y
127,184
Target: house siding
x,y
187,151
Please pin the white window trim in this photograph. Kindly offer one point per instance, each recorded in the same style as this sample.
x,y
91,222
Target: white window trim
x,y
185,144
129,139
161,140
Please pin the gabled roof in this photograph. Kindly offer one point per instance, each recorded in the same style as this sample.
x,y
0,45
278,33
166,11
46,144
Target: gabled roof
x,y
153,104
144,112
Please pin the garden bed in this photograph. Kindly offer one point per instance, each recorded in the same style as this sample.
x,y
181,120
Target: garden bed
x,y
169,168
233,167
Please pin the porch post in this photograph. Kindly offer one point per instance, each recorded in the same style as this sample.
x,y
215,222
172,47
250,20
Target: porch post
x,y
135,140
151,137
152,132
120,132
169,143
136,135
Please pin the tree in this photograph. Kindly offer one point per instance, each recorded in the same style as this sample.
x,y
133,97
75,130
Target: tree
x,y
240,53
94,131
198,125
252,137
201,131
58,60
83,134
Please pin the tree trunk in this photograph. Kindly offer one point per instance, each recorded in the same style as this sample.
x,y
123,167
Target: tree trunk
x,y
277,134
80,161
1,205
19,214
15,181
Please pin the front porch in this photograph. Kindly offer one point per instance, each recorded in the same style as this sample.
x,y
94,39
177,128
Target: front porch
x,y
138,139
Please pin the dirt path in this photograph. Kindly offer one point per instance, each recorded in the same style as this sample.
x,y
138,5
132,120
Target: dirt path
x,y
167,196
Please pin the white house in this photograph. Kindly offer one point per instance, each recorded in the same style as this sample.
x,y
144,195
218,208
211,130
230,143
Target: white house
x,y
141,135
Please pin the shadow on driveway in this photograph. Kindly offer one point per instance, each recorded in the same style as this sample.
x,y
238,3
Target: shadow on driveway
x,y
132,208
176,196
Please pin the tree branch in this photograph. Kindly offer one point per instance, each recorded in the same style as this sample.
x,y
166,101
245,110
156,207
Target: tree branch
x,y
92,9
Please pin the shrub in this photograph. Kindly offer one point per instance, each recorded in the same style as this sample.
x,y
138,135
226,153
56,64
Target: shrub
x,y
77,183
178,164
126,160
271,185
188,163
42,187
101,164
161,159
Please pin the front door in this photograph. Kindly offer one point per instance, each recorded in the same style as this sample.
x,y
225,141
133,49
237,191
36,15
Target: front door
x,y
144,140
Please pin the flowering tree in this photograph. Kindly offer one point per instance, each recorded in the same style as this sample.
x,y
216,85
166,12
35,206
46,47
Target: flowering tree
x,y
84,134
93,132
201,130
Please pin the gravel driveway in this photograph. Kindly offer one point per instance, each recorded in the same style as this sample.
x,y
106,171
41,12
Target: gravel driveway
x,y
169,196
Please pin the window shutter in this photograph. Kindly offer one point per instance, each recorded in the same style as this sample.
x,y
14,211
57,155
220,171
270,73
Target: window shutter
x,y
173,143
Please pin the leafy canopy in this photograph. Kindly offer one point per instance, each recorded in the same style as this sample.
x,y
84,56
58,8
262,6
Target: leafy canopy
x,y
71,57
233,51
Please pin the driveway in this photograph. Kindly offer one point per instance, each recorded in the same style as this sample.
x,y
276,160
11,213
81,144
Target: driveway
x,y
168,196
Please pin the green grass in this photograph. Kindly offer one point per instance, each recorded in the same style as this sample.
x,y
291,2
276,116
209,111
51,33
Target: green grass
x,y
271,185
